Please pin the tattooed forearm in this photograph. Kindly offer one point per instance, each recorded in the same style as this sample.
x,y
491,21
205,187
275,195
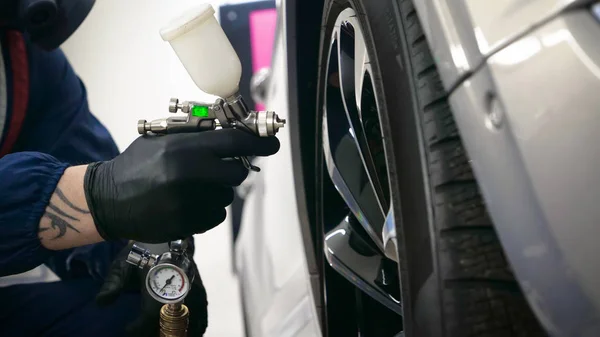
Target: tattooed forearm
x,y
62,197
60,219
67,221
42,229
56,222
60,212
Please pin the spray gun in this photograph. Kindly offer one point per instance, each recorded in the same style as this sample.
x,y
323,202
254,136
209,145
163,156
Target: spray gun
x,y
224,113
216,71
207,55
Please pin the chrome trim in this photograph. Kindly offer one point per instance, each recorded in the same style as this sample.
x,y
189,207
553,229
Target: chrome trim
x,y
388,233
360,270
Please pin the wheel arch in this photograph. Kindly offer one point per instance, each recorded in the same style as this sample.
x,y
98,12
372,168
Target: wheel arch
x,y
303,26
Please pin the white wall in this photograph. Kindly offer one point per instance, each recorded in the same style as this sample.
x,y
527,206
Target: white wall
x,y
130,74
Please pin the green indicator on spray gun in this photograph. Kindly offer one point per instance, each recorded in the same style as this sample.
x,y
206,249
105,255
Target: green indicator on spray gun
x,y
199,111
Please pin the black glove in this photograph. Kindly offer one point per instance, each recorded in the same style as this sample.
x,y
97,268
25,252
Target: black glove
x,y
169,187
126,277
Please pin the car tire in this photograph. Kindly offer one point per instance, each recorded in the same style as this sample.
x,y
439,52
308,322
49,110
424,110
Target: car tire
x,y
455,279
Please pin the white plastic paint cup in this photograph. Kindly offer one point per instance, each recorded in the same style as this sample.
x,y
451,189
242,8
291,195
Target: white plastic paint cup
x,y
205,51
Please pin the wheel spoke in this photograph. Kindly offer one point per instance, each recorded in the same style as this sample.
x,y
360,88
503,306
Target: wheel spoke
x,y
352,137
353,65
351,192
343,158
366,271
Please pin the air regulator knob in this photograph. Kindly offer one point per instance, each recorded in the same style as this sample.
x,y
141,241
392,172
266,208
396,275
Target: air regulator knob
x,y
173,105
141,126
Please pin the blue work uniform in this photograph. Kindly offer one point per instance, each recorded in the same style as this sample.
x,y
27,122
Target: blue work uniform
x,y
46,126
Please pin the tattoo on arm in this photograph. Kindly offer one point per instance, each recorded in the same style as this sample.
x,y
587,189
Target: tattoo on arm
x,y
62,197
59,218
56,222
60,212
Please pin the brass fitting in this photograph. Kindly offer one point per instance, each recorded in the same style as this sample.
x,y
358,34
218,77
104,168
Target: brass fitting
x,y
174,320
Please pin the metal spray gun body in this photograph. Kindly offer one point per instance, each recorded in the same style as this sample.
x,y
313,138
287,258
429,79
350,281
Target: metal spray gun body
x,y
229,113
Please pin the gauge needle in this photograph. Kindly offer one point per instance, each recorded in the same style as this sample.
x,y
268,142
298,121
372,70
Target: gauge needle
x,y
166,284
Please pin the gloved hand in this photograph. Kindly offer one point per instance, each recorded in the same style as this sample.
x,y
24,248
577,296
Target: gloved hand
x,y
126,277
169,187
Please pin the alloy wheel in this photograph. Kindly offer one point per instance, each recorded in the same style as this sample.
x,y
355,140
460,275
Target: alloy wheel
x,y
357,222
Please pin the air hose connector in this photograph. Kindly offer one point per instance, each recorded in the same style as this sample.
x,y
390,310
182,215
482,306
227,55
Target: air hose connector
x,y
174,320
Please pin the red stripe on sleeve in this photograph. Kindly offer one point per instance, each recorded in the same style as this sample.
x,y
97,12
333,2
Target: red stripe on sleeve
x,y
20,85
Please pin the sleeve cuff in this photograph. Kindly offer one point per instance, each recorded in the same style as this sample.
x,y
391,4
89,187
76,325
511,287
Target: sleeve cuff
x,y
28,181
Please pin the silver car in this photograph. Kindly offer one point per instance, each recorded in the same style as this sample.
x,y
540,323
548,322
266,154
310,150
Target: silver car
x,y
440,174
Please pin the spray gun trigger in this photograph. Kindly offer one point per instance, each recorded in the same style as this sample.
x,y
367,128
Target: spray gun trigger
x,y
249,165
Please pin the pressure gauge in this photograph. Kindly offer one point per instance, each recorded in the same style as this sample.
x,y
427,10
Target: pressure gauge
x,y
167,283
171,273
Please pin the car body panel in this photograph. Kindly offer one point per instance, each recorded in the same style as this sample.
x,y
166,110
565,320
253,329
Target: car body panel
x,y
462,34
529,121
270,256
497,23
451,37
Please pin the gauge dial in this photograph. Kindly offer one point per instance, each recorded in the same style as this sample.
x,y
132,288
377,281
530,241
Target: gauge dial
x,y
168,282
